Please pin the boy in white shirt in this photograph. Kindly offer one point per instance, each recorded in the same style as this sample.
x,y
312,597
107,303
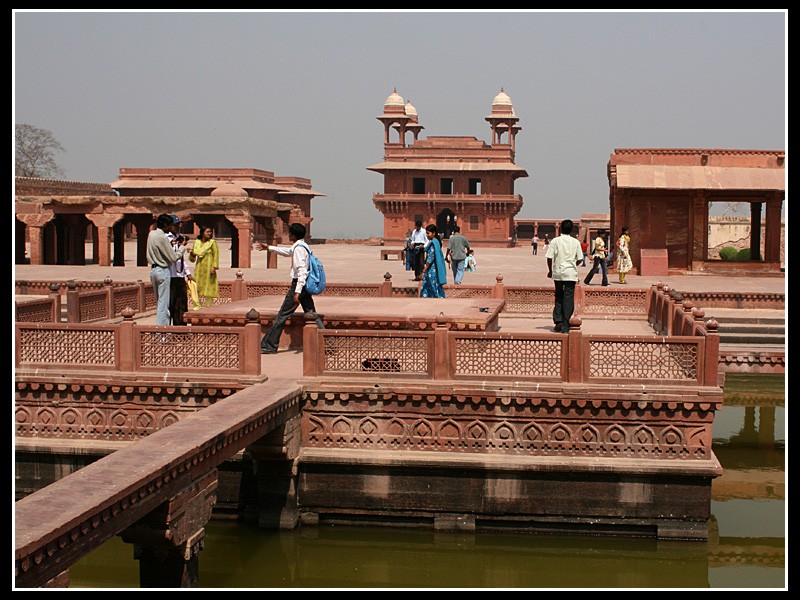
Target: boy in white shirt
x,y
297,294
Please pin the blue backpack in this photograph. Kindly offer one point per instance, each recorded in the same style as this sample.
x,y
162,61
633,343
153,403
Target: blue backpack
x,y
315,282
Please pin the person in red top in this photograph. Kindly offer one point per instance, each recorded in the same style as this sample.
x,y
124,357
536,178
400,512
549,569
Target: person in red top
x,y
584,249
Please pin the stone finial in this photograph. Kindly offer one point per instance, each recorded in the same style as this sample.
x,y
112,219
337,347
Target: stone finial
x,y
440,318
498,278
252,314
54,287
575,323
699,313
127,313
687,305
660,285
712,326
239,275
107,280
387,276
71,284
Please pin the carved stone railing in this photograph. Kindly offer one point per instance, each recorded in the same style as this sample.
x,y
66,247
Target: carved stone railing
x,y
38,310
445,355
130,348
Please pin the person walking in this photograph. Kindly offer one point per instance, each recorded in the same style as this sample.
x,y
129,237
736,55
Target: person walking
x,y
408,253
624,262
535,244
418,241
434,273
297,294
470,265
205,255
457,251
179,273
563,257
598,253
160,255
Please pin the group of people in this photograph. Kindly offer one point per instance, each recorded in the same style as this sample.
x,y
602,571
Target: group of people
x,y
176,276
423,253
565,254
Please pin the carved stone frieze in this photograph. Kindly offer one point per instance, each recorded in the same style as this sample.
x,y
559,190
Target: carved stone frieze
x,y
521,425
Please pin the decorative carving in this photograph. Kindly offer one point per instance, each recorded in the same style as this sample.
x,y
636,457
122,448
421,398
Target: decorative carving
x,y
349,353
535,426
648,360
511,357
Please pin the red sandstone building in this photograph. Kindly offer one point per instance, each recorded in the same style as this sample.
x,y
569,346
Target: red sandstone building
x,y
664,197
58,218
449,180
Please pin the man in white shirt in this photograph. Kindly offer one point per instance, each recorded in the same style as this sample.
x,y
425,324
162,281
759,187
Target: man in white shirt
x,y
418,240
297,294
563,255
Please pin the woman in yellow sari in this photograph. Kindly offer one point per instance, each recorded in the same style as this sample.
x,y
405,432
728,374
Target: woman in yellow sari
x,y
205,254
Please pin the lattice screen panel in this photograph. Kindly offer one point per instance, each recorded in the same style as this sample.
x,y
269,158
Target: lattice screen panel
x,y
73,346
374,353
643,360
516,358
190,350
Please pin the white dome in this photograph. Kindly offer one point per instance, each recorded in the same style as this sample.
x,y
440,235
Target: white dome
x,y
501,99
394,99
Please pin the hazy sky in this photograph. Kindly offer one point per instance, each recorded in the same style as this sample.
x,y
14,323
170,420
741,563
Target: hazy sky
x,y
297,93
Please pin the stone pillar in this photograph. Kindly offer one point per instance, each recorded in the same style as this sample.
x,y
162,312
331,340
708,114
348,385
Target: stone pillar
x,y
275,473
698,228
168,540
772,233
35,224
755,231
119,244
104,223
241,240
143,224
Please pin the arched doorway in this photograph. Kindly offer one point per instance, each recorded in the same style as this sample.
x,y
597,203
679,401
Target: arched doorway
x,y
445,222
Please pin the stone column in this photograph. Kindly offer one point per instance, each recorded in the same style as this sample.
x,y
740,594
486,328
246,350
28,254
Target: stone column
x,y
142,224
35,224
168,540
243,243
104,223
772,234
755,230
275,475
698,228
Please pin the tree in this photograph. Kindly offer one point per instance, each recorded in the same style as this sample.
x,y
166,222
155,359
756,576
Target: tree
x,y
35,153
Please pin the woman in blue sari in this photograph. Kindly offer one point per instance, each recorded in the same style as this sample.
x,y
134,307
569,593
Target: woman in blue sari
x,y
434,275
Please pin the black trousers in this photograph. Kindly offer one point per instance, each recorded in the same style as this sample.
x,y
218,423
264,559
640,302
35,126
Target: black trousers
x,y
273,336
599,265
178,302
565,303
418,260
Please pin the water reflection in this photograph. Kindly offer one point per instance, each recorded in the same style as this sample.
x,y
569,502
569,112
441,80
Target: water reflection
x,y
746,546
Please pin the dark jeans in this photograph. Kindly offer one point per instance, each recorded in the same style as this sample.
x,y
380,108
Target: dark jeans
x,y
565,303
273,336
418,260
178,302
599,265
